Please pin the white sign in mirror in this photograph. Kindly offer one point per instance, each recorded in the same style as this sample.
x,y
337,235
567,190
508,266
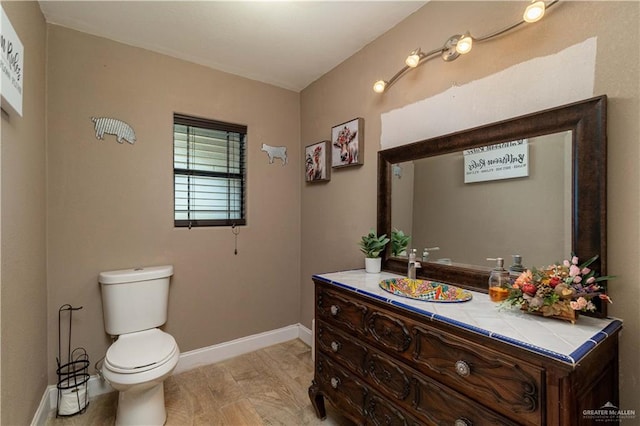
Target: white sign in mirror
x,y
500,161
11,65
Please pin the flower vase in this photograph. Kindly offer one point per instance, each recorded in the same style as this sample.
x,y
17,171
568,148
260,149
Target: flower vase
x,y
565,314
373,265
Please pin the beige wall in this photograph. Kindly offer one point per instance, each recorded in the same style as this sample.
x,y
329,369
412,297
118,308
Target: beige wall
x,y
23,267
110,205
334,215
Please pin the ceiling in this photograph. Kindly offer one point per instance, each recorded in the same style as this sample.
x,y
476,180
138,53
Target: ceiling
x,y
288,44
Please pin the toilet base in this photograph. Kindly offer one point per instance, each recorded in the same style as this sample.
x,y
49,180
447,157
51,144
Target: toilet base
x,y
142,407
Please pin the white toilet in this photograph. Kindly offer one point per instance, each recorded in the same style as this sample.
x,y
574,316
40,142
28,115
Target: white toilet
x,y
134,303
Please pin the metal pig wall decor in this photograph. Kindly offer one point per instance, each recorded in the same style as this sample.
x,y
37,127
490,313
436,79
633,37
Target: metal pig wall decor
x,y
275,152
111,126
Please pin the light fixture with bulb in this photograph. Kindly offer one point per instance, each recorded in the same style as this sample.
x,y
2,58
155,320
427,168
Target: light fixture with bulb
x,y
379,86
461,44
534,12
464,44
414,58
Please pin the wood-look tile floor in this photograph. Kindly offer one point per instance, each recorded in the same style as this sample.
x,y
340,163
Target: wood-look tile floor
x,y
266,387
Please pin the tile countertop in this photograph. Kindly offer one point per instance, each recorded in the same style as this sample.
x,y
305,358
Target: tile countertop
x,y
553,338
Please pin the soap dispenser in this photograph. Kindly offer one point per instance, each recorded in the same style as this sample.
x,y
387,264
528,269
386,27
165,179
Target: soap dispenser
x,y
516,268
499,282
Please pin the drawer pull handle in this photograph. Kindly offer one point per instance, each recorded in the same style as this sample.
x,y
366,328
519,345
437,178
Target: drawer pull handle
x,y
334,310
335,346
462,368
462,422
335,382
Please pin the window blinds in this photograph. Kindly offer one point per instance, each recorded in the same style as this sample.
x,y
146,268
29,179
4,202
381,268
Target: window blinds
x,y
209,172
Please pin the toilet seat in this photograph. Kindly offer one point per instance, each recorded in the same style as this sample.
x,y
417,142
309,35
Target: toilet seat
x,y
140,351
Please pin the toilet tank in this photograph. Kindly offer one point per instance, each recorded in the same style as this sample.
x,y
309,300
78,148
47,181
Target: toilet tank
x,y
135,299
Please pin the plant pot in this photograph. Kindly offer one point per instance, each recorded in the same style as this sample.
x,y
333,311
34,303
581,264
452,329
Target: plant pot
x,y
373,265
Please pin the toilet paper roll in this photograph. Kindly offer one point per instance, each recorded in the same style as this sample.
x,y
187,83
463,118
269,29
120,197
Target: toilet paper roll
x,y
72,401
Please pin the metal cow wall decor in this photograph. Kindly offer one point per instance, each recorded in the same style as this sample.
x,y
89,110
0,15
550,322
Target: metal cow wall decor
x,y
275,152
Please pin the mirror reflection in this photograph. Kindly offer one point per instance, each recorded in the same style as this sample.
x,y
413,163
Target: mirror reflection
x,y
463,212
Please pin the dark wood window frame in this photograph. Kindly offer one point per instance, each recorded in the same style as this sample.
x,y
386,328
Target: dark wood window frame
x,y
209,191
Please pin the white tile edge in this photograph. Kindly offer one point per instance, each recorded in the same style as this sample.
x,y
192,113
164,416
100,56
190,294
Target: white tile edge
x,y
188,361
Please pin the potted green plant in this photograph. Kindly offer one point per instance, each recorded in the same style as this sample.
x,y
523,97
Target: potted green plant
x,y
372,245
399,243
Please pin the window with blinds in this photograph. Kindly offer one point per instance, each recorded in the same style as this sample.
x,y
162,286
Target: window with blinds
x,y
208,172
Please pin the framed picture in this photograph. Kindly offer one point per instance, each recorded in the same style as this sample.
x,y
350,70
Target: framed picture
x,y
347,143
316,162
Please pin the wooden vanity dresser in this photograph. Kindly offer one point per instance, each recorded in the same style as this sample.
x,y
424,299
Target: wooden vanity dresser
x,y
384,359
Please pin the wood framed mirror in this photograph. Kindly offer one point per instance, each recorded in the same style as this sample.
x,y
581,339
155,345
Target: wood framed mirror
x,y
578,199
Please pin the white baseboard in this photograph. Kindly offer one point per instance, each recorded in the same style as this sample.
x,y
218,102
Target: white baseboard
x,y
216,353
305,334
188,361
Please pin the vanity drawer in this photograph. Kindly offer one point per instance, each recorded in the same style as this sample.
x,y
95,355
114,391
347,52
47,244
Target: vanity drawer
x,y
381,413
503,383
341,311
348,394
414,392
343,389
341,347
390,331
438,405
369,364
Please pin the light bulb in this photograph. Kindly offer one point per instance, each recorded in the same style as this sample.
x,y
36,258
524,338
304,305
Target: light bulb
x,y
413,59
379,86
534,12
464,44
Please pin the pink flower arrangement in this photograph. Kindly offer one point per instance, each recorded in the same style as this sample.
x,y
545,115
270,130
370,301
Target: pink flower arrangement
x,y
559,288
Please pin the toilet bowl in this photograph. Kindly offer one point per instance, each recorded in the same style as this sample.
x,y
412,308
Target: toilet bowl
x,y
136,365
134,304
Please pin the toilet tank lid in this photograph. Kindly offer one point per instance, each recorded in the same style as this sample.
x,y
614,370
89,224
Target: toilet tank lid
x,y
135,274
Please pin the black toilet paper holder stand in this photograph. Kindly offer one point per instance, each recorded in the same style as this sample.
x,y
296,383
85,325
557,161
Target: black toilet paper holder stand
x,y
72,371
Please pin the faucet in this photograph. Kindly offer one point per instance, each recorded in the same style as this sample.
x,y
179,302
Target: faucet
x,y
426,251
413,265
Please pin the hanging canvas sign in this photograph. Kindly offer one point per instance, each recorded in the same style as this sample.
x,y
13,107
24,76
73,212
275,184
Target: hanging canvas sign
x,y
500,161
316,164
348,143
11,65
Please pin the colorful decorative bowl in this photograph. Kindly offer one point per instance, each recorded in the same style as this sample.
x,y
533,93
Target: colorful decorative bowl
x,y
429,291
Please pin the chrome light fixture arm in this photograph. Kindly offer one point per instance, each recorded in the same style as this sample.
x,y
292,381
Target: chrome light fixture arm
x,y
459,44
382,85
